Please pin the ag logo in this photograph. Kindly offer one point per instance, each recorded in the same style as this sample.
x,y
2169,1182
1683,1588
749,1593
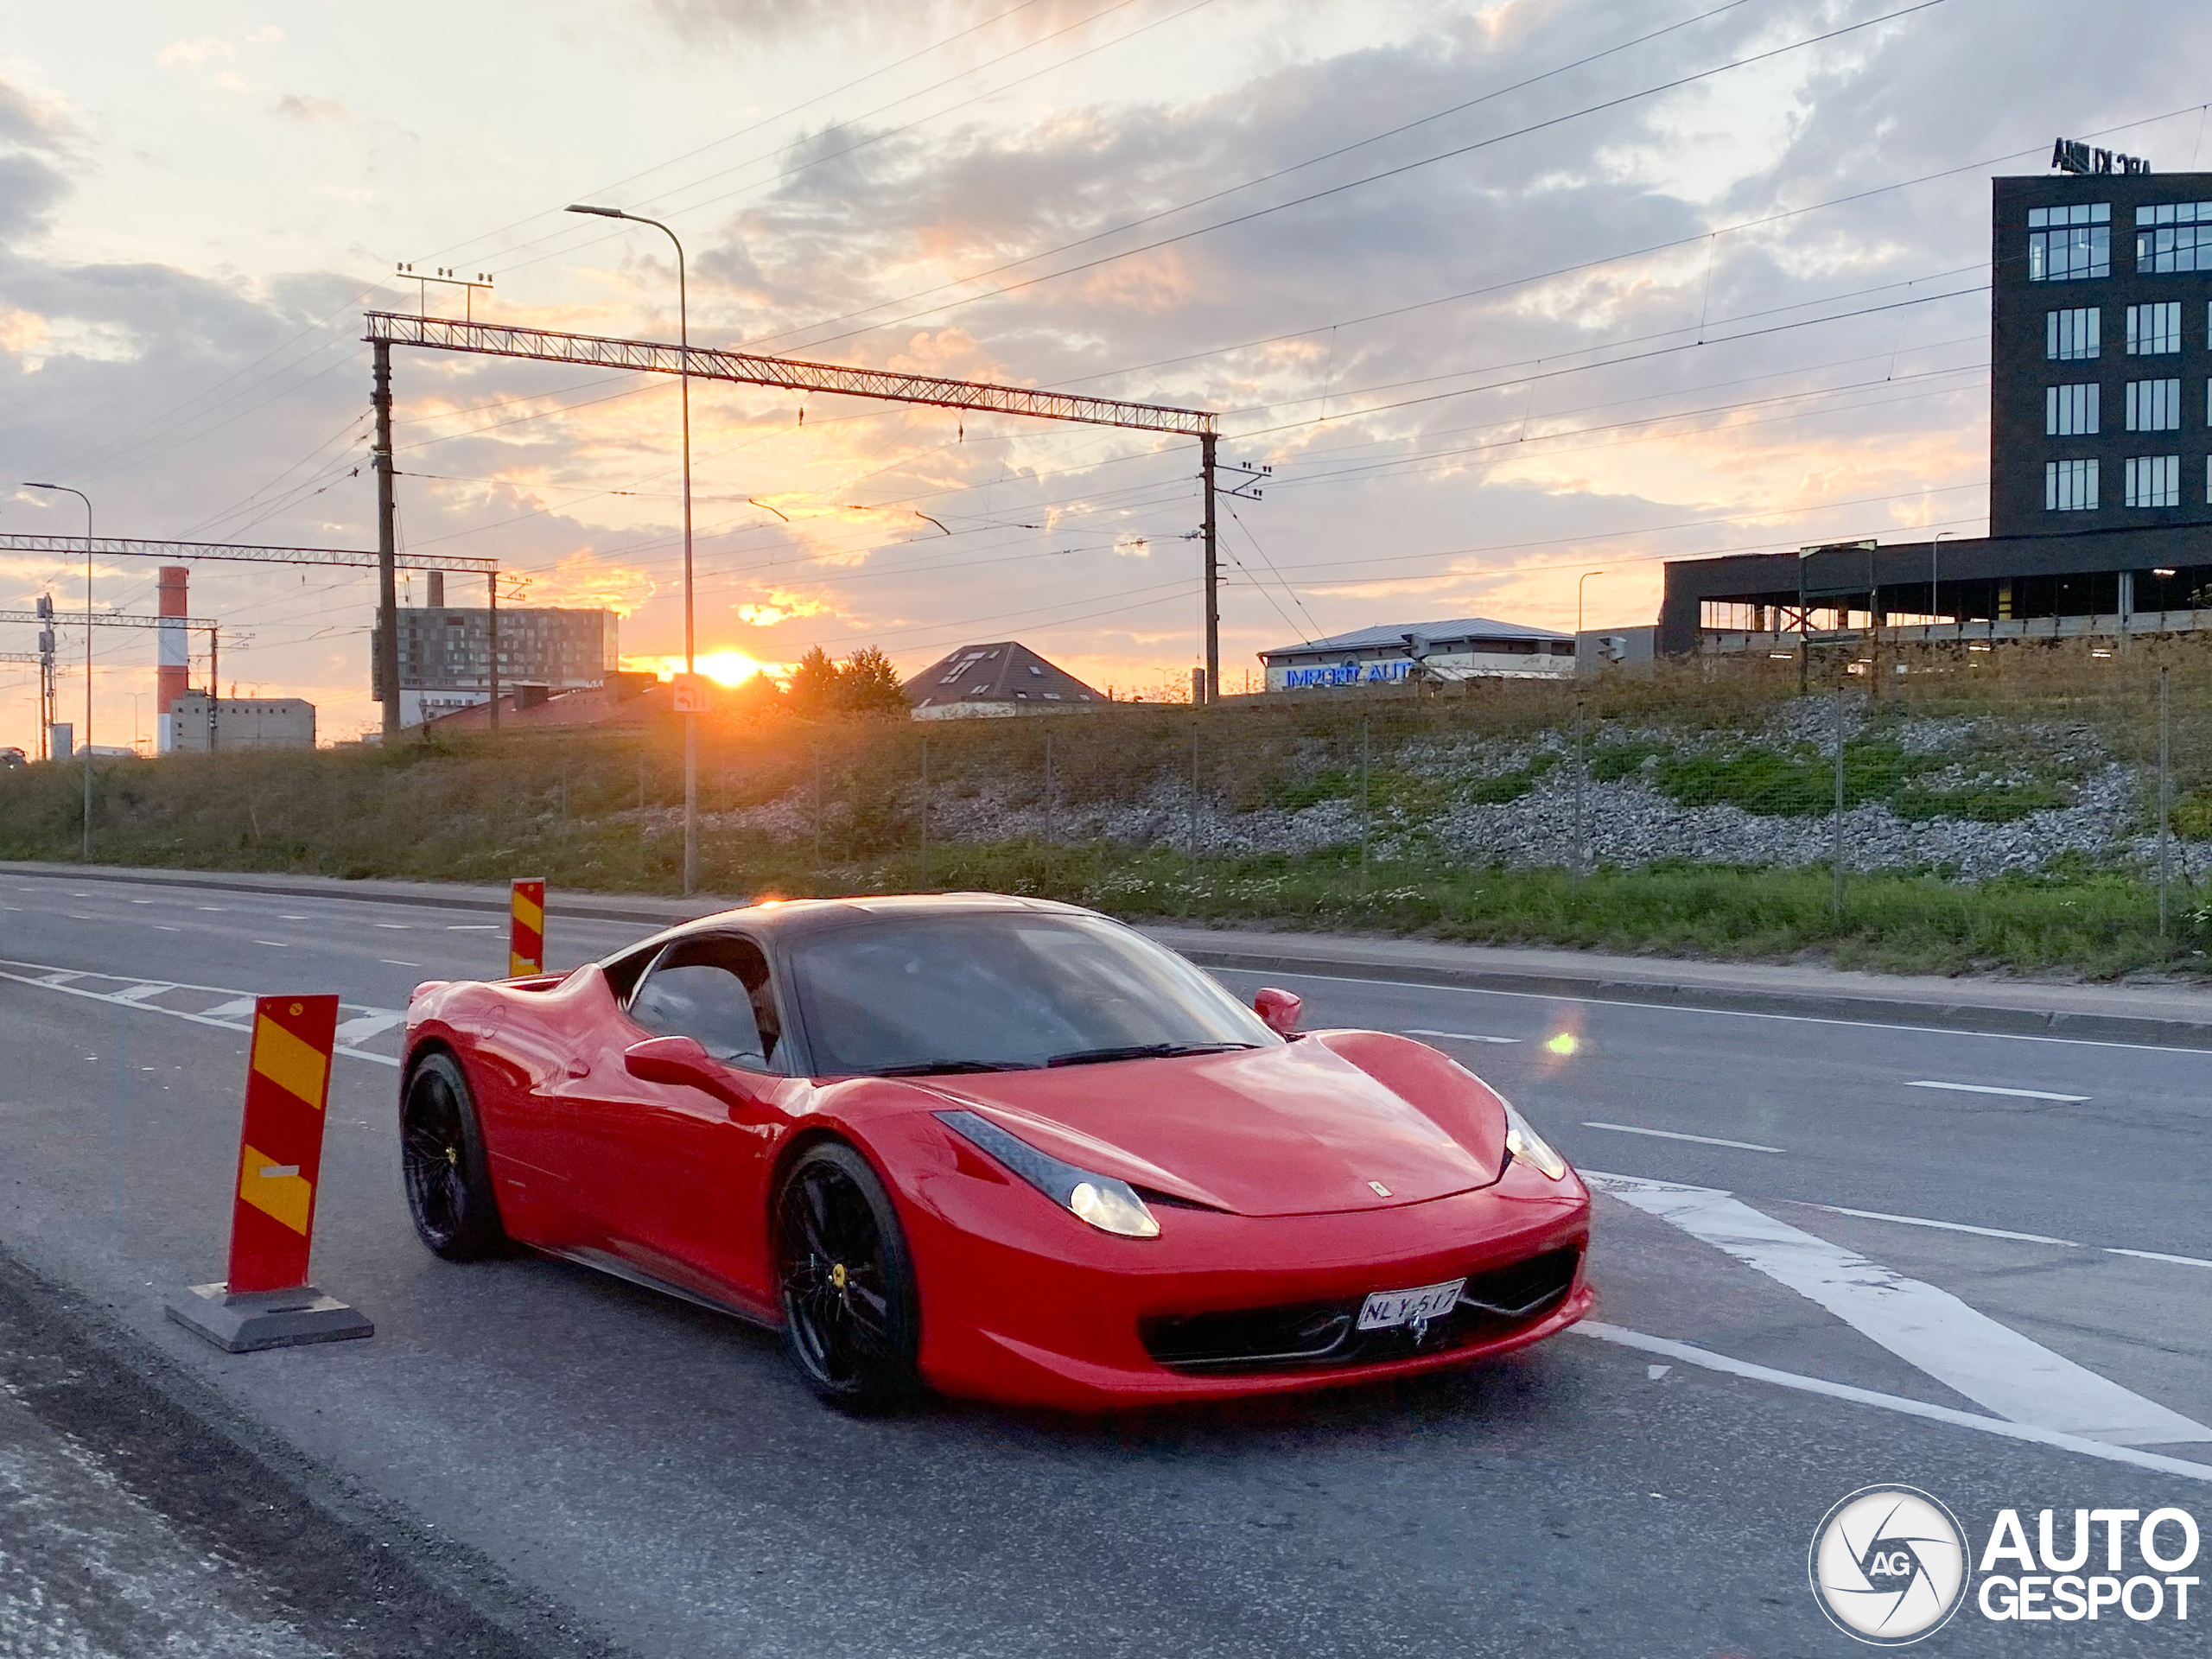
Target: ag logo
x,y
1889,1566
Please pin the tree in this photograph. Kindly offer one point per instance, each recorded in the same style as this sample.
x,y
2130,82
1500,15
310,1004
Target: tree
x,y
812,689
868,685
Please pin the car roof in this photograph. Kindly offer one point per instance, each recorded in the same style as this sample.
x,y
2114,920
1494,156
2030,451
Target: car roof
x,y
789,918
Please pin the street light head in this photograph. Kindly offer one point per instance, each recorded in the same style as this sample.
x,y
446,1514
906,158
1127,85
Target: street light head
x,y
603,213
30,484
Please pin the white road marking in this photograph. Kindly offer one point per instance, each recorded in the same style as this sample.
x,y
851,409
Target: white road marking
x,y
1722,1362
1991,1088
473,927
361,1027
394,962
1459,1036
1721,1013
1946,1226
142,901
296,918
1959,1346
211,906
2157,1255
1673,1135
164,927
397,927
56,979
139,993
277,944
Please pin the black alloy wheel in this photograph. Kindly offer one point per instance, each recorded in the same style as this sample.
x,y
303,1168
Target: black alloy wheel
x,y
442,1159
851,1315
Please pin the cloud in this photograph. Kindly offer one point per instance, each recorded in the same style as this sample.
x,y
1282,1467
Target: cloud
x,y
207,48
296,106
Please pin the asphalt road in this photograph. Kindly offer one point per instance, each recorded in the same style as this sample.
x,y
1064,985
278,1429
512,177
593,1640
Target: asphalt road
x,y
649,1475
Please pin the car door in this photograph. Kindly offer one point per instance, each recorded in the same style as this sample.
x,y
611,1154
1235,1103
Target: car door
x,y
672,1176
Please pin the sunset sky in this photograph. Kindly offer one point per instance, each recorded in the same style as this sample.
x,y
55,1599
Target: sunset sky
x,y
1503,294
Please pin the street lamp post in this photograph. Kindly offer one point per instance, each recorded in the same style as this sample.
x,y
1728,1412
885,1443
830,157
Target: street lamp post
x,y
1585,576
684,381
86,742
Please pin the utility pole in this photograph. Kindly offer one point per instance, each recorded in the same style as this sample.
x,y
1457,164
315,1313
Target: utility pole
x,y
491,641
387,548
1207,443
214,686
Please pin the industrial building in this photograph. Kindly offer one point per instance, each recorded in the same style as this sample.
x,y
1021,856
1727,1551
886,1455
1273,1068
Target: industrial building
x,y
1469,647
194,724
1003,677
2100,446
446,658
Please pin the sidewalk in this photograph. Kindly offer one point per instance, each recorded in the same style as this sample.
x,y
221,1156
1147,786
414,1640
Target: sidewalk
x,y
2169,1013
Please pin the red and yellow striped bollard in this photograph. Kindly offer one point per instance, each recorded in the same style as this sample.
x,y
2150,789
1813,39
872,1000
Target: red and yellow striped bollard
x,y
280,1150
526,938
267,1301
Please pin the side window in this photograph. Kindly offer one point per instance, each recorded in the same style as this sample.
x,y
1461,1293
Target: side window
x,y
717,991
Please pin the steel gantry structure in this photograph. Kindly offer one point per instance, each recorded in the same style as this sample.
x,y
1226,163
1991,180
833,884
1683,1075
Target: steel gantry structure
x,y
389,329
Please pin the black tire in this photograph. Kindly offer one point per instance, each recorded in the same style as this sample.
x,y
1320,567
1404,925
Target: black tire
x,y
852,1318
441,1162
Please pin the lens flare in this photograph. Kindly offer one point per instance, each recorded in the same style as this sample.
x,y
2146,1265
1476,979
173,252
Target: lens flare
x,y
1565,1043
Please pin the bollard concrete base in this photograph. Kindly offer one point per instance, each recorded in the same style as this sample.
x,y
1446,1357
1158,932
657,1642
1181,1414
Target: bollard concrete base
x,y
266,1318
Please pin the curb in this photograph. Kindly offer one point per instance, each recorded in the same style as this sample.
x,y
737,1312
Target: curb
x,y
1791,1005
1597,986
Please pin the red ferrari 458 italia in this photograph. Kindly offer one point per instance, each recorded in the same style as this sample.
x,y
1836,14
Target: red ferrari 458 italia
x,y
998,1147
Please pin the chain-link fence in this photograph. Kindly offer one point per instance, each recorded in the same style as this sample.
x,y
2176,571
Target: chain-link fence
x,y
2020,806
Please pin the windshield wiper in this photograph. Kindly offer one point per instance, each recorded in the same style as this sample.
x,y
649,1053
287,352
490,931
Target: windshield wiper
x,y
1142,1052
924,1068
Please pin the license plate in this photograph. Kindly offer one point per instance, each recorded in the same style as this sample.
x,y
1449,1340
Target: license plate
x,y
1387,1309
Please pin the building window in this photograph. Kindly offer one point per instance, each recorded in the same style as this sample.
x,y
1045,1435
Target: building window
x,y
2066,245
2072,336
2154,405
2173,236
2153,481
2070,411
2069,485
2153,330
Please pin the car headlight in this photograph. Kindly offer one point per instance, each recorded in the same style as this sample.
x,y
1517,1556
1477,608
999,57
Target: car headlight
x,y
1111,1206
1522,1141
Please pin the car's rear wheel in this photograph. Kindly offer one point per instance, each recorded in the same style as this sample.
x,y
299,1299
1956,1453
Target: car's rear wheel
x,y
851,1315
442,1159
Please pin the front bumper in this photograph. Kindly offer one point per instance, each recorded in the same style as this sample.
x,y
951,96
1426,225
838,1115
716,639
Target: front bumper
x,y
1024,1304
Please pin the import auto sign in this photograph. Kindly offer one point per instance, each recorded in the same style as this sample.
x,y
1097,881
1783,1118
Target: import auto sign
x,y
1891,1565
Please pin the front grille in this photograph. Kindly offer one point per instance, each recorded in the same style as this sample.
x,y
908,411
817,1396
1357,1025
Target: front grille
x,y
1302,1336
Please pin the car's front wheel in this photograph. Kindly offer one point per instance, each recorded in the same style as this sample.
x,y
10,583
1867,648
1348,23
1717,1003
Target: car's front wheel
x,y
851,1315
442,1159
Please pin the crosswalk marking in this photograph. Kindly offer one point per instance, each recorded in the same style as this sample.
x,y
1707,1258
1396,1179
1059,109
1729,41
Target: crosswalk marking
x,y
225,1014
1958,1345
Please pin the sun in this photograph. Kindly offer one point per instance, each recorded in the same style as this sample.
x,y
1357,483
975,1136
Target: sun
x,y
725,666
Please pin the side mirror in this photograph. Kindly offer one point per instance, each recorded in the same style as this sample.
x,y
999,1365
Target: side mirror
x,y
1278,1010
679,1060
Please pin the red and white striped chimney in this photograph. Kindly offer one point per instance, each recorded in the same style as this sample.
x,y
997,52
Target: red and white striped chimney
x,y
173,658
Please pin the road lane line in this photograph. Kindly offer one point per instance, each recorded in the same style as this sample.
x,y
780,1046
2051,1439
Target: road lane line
x,y
1722,1014
1674,1135
240,1004
361,1027
473,927
2158,1255
279,944
1991,1088
394,962
1743,1367
1958,1345
1458,1036
1946,1226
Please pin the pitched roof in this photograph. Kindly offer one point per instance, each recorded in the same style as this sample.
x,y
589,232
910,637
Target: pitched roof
x,y
1005,672
1437,634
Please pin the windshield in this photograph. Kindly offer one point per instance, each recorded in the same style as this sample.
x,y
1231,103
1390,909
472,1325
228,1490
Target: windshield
x,y
986,991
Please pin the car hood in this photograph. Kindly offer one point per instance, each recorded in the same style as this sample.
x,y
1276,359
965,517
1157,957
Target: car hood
x,y
1296,1130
